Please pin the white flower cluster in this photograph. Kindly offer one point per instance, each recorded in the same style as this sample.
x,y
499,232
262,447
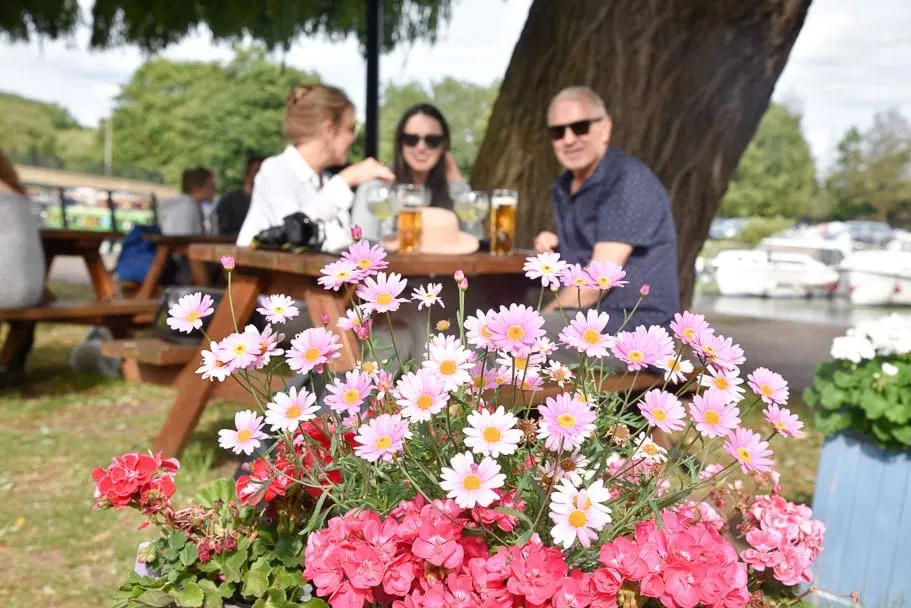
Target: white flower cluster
x,y
885,336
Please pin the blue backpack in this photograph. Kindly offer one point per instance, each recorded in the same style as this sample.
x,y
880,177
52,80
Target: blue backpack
x,y
136,254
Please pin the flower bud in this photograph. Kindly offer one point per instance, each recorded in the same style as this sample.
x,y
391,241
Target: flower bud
x,y
357,233
459,276
442,325
643,291
227,262
324,319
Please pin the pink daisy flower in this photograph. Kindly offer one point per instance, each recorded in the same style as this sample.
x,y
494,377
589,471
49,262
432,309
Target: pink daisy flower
x,y
287,410
516,329
277,308
482,379
575,276
352,322
749,450
687,325
366,258
584,333
643,347
713,415
676,369
717,351
769,386
312,349
520,365
421,395
558,373
547,267
606,274
268,346
348,395
476,331
662,410
242,349
190,310
783,421
246,435
381,294
531,382
449,360
428,295
336,274
724,381
469,484
544,346
565,422
381,438
215,366
492,433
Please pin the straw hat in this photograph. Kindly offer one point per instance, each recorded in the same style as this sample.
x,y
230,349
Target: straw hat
x,y
439,234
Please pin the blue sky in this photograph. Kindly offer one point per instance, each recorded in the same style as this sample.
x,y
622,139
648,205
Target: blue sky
x,y
851,60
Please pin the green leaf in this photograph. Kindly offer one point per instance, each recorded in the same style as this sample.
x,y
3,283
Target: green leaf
x,y
842,379
903,434
286,578
210,590
188,554
522,516
314,603
288,549
177,540
227,589
831,397
190,596
874,404
221,490
810,397
256,582
154,598
315,518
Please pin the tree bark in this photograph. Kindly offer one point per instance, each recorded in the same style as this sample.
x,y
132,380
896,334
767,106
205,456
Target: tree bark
x,y
686,82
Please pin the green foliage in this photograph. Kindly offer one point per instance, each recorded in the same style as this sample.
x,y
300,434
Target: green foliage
x,y
776,176
860,398
465,105
173,115
758,228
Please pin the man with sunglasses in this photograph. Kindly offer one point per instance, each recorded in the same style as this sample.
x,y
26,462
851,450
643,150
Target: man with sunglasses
x,y
608,206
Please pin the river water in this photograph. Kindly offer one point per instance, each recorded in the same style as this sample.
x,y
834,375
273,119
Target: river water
x,y
832,311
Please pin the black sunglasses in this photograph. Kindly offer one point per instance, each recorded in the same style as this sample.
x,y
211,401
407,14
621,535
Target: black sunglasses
x,y
580,127
431,141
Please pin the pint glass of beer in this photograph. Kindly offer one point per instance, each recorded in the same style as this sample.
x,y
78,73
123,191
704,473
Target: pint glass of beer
x,y
410,199
502,221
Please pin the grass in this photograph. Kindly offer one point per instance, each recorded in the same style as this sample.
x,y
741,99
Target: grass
x,y
56,426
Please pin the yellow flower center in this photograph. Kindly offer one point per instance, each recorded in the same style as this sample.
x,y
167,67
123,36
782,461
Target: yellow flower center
x,y
240,348
547,269
448,368
364,263
368,367
689,333
311,354
559,374
579,282
673,365
278,309
485,332
491,434
650,449
591,337
342,275
709,351
293,412
779,426
477,381
766,390
721,384
568,465
603,281
471,482
578,519
566,420
244,435
635,356
351,396
515,332
712,417
659,414
384,298
383,442
193,315
520,363
744,454
424,402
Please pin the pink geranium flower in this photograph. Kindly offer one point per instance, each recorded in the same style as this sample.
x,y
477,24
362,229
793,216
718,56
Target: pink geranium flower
x,y
749,450
381,438
472,485
190,310
367,259
769,386
783,421
336,274
575,276
662,410
516,329
421,395
565,423
312,349
606,274
277,308
717,351
246,435
713,415
643,347
348,395
547,267
687,325
381,294
584,333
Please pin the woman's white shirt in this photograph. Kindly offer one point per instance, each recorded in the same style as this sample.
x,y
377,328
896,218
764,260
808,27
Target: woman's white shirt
x,y
286,184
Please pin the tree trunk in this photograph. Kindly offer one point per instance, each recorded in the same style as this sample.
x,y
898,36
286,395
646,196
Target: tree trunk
x,y
686,82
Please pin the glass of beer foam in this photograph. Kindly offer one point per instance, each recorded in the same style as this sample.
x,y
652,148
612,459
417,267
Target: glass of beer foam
x,y
503,221
410,200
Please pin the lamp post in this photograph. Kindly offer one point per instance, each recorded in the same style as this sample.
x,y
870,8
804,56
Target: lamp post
x,y
374,44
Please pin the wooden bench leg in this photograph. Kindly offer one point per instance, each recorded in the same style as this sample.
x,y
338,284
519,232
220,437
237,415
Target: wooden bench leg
x,y
194,392
17,345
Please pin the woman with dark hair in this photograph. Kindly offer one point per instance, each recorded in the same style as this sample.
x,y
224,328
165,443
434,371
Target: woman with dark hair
x,y
422,157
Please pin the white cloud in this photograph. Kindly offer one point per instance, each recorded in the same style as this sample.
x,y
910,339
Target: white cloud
x,y
849,62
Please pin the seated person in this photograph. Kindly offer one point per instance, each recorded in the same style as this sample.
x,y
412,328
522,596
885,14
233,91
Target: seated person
x,y
233,206
182,215
320,126
608,206
422,157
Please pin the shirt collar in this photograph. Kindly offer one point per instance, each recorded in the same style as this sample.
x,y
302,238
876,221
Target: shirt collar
x,y
597,177
300,168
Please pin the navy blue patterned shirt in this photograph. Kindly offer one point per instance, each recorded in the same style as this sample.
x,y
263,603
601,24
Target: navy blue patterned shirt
x,y
623,202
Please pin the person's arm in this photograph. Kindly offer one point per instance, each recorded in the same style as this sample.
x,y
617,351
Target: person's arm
x,y
571,297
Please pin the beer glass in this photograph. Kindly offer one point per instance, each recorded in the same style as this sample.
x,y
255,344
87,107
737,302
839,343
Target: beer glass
x,y
410,199
502,221
471,207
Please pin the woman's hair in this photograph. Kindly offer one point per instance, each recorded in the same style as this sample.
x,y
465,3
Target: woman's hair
x,y
436,180
310,106
8,174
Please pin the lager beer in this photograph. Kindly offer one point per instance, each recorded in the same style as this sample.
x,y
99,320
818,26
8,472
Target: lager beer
x,y
380,203
502,221
410,199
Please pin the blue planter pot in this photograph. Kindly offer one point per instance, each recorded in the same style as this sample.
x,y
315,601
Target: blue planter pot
x,y
863,495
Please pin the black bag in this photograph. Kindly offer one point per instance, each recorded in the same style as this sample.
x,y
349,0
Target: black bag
x,y
296,234
169,297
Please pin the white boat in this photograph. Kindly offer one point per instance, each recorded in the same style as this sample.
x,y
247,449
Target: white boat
x,y
877,277
755,272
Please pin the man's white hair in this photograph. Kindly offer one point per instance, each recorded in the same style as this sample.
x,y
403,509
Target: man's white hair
x,y
580,93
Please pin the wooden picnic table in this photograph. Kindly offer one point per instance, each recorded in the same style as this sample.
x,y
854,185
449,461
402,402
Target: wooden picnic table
x,y
264,272
166,246
84,244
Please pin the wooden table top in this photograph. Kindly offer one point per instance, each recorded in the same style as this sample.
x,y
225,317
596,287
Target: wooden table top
x,y
190,239
406,264
61,234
